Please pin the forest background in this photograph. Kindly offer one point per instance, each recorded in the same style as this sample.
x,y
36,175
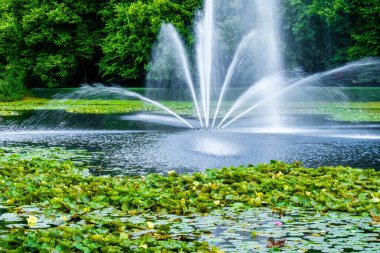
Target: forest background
x,y
64,43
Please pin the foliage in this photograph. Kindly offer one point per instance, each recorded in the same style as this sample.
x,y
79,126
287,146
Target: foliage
x,y
153,232
347,112
88,106
11,83
48,40
356,19
324,33
351,112
303,41
59,43
89,238
131,29
60,187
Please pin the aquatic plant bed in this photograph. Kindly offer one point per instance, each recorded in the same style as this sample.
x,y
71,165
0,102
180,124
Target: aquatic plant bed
x,y
350,111
50,203
359,93
95,106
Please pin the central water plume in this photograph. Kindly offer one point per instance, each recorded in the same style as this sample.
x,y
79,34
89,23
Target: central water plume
x,y
234,66
229,36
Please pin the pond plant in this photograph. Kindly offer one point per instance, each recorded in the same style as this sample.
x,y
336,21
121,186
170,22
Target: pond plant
x,y
347,112
51,204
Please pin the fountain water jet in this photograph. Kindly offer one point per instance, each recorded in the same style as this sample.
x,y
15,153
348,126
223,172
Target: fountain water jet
x,y
88,91
155,103
255,89
362,63
178,44
256,47
243,44
236,45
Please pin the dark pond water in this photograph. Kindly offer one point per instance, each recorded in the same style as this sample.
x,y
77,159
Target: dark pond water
x,y
122,145
119,144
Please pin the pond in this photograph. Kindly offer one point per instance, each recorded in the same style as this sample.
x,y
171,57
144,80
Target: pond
x,y
122,144
140,144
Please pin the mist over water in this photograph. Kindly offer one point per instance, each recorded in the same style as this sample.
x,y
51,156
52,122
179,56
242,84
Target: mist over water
x,y
236,66
229,36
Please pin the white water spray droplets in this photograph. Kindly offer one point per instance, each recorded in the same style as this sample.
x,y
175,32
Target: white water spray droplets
x,y
183,59
205,39
97,89
253,92
237,64
304,81
155,103
231,69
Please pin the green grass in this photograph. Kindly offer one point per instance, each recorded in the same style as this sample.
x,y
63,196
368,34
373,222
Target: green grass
x,y
364,94
345,111
352,111
86,106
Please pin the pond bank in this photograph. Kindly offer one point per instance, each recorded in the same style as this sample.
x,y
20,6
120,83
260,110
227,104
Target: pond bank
x,y
340,111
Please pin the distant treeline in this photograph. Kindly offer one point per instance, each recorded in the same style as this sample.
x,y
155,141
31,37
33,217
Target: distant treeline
x,y
51,43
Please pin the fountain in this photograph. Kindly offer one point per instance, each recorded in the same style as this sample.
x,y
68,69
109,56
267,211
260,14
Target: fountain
x,y
235,83
232,79
244,56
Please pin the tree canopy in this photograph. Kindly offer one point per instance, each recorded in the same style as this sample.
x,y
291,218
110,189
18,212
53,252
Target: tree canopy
x,y
323,33
66,42
131,29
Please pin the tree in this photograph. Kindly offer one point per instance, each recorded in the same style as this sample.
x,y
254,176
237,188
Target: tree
x,y
365,32
302,34
131,29
49,40
12,77
324,33
56,43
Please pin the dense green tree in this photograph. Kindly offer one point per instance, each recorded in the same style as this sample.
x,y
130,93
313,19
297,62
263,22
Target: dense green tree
x,y
12,75
50,40
357,20
55,43
12,79
303,41
131,29
323,33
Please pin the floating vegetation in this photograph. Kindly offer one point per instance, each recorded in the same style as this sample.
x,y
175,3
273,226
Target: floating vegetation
x,y
79,157
347,111
86,106
49,204
8,113
228,229
351,111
